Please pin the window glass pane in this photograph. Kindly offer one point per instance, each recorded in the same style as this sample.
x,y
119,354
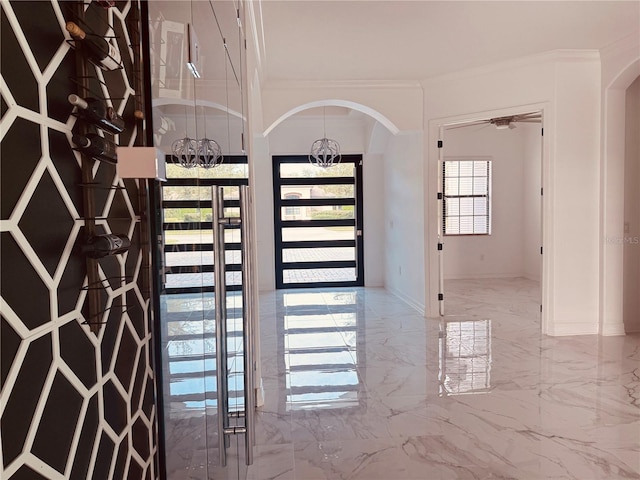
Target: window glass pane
x,y
480,225
480,206
466,225
173,237
466,186
183,259
186,193
452,225
190,280
451,186
302,170
295,234
466,169
317,191
480,186
452,206
480,169
318,254
319,275
466,206
181,215
221,171
451,169
325,212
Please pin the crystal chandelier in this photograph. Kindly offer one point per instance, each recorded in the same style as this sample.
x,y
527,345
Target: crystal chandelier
x,y
191,153
210,153
186,151
325,152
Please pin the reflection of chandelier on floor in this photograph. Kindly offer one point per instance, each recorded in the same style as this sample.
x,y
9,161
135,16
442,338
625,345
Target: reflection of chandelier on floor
x,y
191,153
325,152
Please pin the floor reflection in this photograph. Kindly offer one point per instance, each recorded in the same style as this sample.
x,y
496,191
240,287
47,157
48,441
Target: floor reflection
x,y
465,356
359,385
320,356
189,351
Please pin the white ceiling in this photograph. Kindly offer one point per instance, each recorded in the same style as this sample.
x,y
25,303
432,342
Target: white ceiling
x,y
410,40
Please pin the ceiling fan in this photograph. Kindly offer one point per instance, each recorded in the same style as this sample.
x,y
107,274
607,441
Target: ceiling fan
x,y
505,122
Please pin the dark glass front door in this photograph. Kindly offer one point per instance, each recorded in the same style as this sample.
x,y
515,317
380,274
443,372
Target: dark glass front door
x,y
318,222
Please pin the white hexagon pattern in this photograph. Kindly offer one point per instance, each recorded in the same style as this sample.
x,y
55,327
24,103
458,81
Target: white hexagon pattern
x,y
54,425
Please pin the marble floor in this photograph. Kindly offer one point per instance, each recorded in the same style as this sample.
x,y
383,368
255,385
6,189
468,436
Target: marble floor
x,y
358,385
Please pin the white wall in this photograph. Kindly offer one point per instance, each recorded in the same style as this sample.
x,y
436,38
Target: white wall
x,y
566,86
631,239
373,223
404,218
500,254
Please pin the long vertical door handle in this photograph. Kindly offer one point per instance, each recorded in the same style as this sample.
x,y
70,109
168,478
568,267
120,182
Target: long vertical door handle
x,y
217,210
247,322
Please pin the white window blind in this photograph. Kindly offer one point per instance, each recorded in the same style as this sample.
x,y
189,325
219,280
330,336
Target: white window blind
x,y
466,197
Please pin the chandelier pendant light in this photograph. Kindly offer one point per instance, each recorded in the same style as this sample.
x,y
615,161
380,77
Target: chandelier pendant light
x,y
210,153
192,153
325,152
186,151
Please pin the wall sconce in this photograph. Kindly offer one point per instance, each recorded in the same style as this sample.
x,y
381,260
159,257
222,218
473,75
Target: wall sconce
x,y
141,162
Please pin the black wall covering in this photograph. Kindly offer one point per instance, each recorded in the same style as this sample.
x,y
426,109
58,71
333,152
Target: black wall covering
x,y
76,402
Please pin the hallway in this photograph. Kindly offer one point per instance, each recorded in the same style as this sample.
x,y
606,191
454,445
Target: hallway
x,y
359,385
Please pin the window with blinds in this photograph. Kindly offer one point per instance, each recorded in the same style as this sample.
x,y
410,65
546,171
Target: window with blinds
x,y
466,186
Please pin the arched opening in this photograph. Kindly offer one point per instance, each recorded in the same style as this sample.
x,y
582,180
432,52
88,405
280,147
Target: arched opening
x,y
346,104
333,220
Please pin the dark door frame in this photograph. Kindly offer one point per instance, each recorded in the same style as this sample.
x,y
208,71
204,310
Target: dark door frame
x,y
279,224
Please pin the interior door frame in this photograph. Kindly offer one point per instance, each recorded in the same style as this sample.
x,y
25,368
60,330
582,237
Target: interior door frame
x,y
436,275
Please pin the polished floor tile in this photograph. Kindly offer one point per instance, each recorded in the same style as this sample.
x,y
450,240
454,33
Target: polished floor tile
x,y
358,385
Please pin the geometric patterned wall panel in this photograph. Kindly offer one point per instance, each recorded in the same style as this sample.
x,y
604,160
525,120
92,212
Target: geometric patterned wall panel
x,y
76,402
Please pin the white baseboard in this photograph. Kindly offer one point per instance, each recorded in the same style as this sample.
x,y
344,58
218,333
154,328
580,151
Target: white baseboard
x,y
612,329
409,301
578,328
480,276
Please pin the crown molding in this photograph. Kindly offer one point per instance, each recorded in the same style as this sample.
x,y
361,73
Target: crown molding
x,y
563,55
341,84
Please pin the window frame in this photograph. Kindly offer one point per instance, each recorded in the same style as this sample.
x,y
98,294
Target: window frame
x,y
487,194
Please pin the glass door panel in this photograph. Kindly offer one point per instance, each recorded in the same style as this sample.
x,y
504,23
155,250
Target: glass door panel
x,y
301,234
291,255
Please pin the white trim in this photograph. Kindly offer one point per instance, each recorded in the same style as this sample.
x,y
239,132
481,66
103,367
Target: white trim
x,y
564,329
409,301
560,55
609,330
474,276
384,120
343,84
432,216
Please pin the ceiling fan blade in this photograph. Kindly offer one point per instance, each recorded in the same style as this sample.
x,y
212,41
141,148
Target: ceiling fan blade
x,y
527,116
